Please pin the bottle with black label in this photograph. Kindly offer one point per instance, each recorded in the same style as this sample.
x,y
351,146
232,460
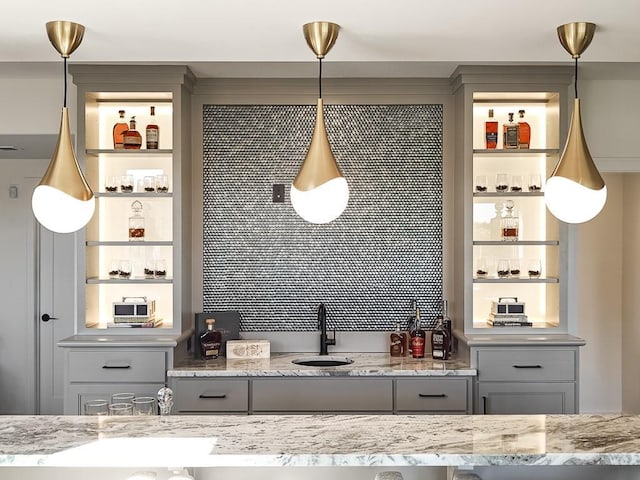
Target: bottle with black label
x,y
398,345
418,338
210,341
411,326
440,342
447,324
510,133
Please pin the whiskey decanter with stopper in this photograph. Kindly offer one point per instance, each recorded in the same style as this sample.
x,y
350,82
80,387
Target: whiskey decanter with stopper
x,y
136,223
509,223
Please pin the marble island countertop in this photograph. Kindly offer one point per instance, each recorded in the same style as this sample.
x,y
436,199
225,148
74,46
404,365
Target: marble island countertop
x,y
281,365
300,440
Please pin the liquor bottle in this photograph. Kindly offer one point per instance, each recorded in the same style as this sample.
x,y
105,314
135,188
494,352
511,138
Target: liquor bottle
x,y
491,131
397,346
118,132
411,326
132,138
447,324
440,342
509,223
524,131
152,132
418,338
136,223
210,341
510,133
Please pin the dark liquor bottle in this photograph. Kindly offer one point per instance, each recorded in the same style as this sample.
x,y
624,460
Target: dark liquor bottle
x,y
524,132
411,327
132,137
397,345
152,132
440,342
447,324
510,133
491,131
210,341
418,338
118,131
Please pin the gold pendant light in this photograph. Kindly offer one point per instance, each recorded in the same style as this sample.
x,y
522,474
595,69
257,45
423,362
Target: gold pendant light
x,y
575,192
63,201
319,193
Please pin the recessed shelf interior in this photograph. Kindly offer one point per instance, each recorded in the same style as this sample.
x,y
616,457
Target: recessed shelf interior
x,y
539,232
107,235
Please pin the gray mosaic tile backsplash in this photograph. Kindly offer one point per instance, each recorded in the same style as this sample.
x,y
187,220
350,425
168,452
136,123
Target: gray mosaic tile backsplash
x,y
262,259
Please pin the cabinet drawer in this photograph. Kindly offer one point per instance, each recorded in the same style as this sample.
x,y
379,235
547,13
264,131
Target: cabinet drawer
x,y
536,365
432,394
117,366
322,395
196,395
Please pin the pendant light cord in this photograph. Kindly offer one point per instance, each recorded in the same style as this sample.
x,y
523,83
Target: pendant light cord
x,y
320,78
65,81
576,78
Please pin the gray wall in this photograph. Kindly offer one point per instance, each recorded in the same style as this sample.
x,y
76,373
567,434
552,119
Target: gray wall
x,y
385,249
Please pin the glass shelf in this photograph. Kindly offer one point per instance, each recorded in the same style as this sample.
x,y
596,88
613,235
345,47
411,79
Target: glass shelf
x,y
126,243
503,194
141,151
551,243
516,280
96,280
133,195
516,152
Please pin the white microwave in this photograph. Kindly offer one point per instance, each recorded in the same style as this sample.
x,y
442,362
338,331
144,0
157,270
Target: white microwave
x,y
134,309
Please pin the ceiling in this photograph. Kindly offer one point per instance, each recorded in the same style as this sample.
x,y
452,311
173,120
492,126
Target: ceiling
x,y
263,38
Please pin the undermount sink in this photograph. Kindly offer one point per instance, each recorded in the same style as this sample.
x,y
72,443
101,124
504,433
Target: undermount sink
x,y
322,361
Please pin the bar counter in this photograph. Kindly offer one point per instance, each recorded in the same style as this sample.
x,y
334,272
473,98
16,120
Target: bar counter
x,y
319,440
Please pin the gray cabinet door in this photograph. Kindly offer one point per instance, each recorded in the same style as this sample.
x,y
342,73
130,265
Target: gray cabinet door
x,y
322,395
526,398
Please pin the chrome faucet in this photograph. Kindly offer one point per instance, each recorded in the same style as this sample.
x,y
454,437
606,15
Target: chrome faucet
x,y
322,325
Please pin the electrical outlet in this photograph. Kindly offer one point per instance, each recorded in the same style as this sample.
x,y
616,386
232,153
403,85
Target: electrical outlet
x,y
278,193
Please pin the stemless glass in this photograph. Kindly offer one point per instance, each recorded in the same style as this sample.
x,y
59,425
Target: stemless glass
x,y
144,406
118,409
126,183
481,268
96,407
124,397
535,184
502,182
149,184
503,268
481,183
162,183
533,268
514,267
516,183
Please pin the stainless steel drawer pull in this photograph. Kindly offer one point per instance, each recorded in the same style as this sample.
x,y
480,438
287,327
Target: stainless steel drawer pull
x,y
432,395
117,366
218,395
527,366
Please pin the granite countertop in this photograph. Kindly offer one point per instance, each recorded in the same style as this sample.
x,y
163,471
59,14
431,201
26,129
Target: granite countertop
x,y
280,365
319,440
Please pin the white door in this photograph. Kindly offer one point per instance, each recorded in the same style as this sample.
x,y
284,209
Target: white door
x,y
37,279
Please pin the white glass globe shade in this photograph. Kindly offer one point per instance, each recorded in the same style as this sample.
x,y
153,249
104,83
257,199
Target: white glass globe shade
x,y
571,202
323,204
60,212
